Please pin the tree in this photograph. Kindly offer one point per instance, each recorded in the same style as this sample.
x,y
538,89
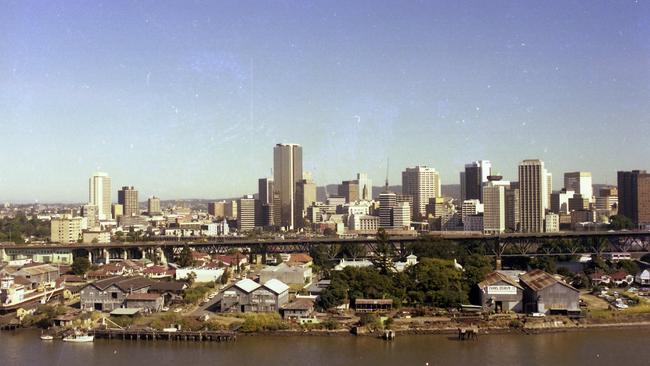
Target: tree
x,y
80,265
185,258
476,267
545,263
439,281
628,266
620,222
384,253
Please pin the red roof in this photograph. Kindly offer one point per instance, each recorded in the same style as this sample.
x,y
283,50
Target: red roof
x,y
155,270
300,258
618,276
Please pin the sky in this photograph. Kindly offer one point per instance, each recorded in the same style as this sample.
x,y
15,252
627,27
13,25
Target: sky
x,y
186,99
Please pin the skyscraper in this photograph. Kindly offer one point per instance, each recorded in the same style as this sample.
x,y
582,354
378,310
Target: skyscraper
x,y
512,208
350,190
246,213
387,201
476,174
634,196
128,198
99,194
580,183
494,205
305,197
287,171
265,190
422,183
153,206
365,187
532,195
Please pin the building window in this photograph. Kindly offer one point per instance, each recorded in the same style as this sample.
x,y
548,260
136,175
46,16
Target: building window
x,y
113,295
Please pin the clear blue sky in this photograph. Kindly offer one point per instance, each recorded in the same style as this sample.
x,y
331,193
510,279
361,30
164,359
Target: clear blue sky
x,y
186,99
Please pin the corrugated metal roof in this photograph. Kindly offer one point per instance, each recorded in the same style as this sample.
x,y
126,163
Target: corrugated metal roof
x,y
539,280
495,277
247,285
276,286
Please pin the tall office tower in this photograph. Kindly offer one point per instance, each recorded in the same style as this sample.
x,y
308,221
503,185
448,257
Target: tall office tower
x,y
128,197
365,187
422,183
463,194
99,194
475,176
265,190
217,209
549,190
90,213
401,216
532,195
608,200
246,213
153,206
634,196
287,171
117,210
387,200
512,208
230,209
494,205
305,197
65,229
560,201
350,190
580,183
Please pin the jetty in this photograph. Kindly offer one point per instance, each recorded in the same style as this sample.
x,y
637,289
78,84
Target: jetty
x,y
468,333
157,335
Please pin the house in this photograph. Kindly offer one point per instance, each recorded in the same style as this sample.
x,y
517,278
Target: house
x,y
158,272
148,301
545,294
411,260
171,291
291,275
249,296
643,278
600,278
500,292
38,274
318,287
110,293
372,305
622,278
231,260
297,309
300,259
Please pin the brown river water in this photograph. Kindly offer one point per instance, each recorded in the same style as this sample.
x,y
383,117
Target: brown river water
x,y
592,347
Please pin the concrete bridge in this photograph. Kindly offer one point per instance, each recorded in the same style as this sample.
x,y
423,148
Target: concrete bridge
x,y
507,244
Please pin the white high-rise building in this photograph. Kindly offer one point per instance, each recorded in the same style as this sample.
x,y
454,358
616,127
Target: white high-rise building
x,y
287,172
580,183
533,192
549,190
99,194
402,216
494,206
365,187
422,183
470,208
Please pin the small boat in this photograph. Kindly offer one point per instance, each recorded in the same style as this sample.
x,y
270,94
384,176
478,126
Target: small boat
x,y
79,337
46,337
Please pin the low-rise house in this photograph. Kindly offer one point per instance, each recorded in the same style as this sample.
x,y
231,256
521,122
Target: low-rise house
x,y
291,275
297,309
171,291
500,292
148,301
109,294
300,259
231,260
643,278
38,274
411,260
158,272
372,305
318,287
622,278
545,294
250,296
600,278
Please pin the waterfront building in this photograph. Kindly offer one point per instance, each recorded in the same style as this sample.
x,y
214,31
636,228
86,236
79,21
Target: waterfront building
x,y
532,195
634,196
501,292
287,171
421,183
544,294
99,194
110,293
65,229
476,174
249,296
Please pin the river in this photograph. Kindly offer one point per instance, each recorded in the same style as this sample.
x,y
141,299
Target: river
x,y
593,347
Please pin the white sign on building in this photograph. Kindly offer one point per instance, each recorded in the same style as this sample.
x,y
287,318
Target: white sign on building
x,y
501,290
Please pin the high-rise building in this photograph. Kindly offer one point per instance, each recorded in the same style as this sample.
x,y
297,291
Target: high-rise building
x,y
560,201
99,194
532,195
128,197
494,205
153,206
350,190
246,213
65,229
217,209
580,183
634,196
401,216
305,197
265,190
463,194
512,208
470,208
476,174
422,183
89,212
549,191
287,171
230,209
117,210
365,187
387,200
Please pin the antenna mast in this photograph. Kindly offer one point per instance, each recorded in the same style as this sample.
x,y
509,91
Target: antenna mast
x,y
387,166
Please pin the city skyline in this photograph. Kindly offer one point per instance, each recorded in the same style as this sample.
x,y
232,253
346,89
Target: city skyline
x,y
173,99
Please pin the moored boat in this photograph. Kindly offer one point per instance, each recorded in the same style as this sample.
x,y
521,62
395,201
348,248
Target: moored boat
x,y
79,337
